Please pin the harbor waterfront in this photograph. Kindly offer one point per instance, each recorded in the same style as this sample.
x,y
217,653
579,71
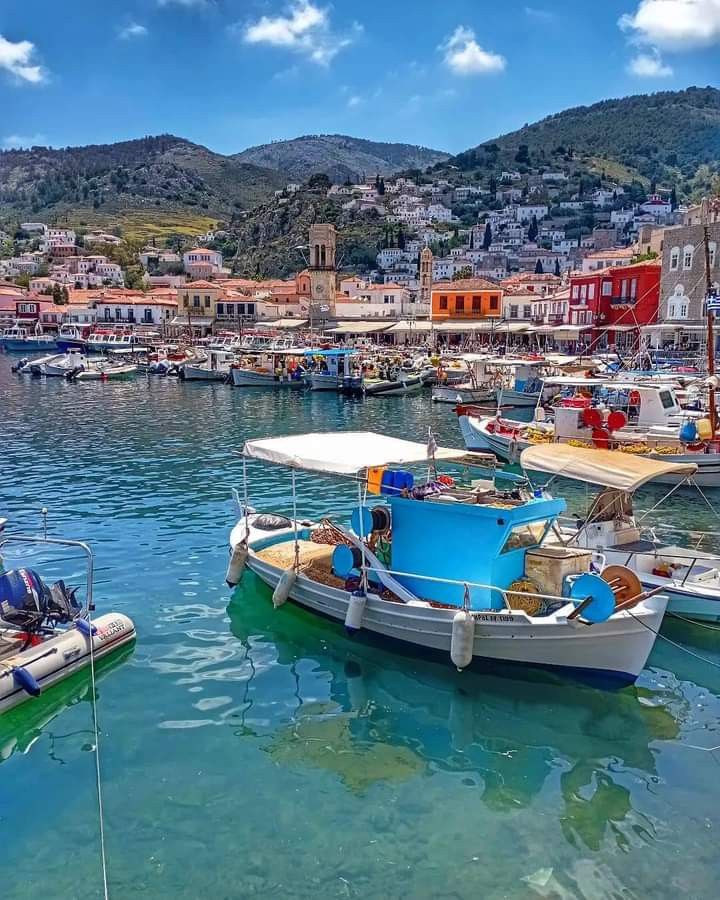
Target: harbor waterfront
x,y
248,751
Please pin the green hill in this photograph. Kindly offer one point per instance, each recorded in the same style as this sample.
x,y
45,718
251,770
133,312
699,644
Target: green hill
x,y
672,137
164,172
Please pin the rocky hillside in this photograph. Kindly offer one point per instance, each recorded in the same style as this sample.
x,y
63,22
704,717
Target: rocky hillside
x,y
265,241
339,157
671,138
164,171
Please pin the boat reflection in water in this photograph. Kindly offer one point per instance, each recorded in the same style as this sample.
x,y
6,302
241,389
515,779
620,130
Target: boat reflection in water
x,y
21,727
387,717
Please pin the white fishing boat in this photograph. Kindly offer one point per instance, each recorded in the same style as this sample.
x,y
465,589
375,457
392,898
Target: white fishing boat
x,y
634,418
46,634
33,366
274,369
105,370
214,367
474,388
65,365
689,576
441,565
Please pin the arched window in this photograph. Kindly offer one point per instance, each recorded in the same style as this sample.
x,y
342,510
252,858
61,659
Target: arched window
x,y
688,251
712,246
317,255
674,259
322,256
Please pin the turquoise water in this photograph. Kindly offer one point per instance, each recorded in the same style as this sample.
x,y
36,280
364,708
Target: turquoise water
x,y
252,752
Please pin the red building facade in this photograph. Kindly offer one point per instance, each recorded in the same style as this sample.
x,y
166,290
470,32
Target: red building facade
x,y
617,302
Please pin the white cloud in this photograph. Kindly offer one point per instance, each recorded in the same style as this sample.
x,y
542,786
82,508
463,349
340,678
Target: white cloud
x,y
539,14
649,65
464,56
132,31
305,28
18,141
18,59
188,4
354,101
674,24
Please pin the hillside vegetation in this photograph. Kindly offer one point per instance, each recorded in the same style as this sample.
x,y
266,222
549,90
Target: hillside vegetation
x,y
672,138
339,157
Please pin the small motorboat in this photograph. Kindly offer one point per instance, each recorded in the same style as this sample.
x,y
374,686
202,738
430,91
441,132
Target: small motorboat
x,y
452,564
65,365
395,383
104,370
46,634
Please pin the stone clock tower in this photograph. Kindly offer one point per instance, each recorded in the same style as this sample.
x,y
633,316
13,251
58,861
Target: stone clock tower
x,y
426,268
323,240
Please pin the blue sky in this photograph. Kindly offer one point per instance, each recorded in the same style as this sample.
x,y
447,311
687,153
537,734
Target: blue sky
x,y
233,73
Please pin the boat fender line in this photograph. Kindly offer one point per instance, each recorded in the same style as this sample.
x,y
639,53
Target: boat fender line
x,y
283,587
85,627
355,611
25,680
236,566
462,639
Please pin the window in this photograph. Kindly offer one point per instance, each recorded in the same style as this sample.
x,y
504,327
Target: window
x,y
583,291
591,291
674,259
633,288
494,302
196,301
526,535
207,301
712,246
575,291
667,399
186,300
221,309
688,257
117,312
624,288
443,302
476,304
527,312
251,309
459,304
131,315
229,308
513,312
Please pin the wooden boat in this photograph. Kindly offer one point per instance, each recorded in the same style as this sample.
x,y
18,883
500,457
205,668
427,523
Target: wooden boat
x,y
442,565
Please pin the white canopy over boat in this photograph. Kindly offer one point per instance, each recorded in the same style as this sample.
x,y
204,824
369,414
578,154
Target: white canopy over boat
x,y
608,468
345,452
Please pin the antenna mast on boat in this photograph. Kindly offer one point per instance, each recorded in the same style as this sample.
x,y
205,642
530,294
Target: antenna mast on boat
x,y
709,313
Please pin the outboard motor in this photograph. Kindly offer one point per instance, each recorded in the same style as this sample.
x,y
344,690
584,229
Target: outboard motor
x,y
21,363
26,601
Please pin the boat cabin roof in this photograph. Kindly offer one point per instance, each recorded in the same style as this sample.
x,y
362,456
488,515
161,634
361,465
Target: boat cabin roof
x,y
351,452
607,468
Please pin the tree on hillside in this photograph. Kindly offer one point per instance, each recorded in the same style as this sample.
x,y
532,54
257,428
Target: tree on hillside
x,y
487,237
57,294
319,182
523,155
533,229
557,267
401,238
465,272
673,198
539,268
472,239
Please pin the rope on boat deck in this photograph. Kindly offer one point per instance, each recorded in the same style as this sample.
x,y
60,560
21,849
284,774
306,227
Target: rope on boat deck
x,y
694,622
98,779
675,644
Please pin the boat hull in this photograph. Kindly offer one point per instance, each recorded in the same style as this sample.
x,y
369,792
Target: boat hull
x,y
70,653
617,649
459,394
20,346
198,373
518,399
394,388
248,378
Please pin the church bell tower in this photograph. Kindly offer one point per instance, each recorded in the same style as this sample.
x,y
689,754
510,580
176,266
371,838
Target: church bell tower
x,y
323,242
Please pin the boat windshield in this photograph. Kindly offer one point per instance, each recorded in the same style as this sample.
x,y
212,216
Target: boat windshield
x,y
528,534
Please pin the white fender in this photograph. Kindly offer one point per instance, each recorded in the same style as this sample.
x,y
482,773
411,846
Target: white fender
x,y
236,566
463,637
283,587
355,610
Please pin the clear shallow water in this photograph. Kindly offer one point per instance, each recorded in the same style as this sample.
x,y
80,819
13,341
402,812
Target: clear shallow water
x,y
248,752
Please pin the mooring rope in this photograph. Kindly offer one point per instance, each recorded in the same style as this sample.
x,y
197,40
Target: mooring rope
x,y
98,779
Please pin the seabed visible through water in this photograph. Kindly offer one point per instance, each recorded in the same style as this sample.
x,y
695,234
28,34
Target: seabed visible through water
x,y
253,752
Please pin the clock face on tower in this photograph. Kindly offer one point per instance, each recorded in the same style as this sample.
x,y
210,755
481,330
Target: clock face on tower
x,y
319,290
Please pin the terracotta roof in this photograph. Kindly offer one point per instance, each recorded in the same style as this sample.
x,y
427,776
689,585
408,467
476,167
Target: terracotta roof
x,y
202,250
199,284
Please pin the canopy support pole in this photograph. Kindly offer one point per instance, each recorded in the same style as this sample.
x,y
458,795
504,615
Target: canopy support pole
x,y
295,524
363,563
246,502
